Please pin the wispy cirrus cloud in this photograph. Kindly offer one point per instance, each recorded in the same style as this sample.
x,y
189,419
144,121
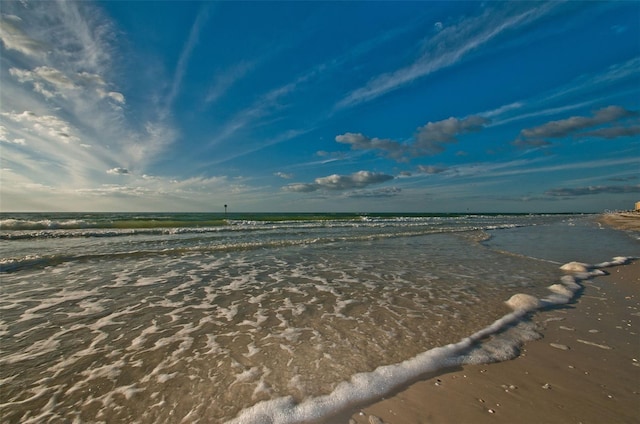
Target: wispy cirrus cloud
x,y
14,37
591,190
259,113
277,99
431,170
224,80
284,175
628,70
48,126
536,166
379,193
51,82
185,55
61,110
450,45
583,91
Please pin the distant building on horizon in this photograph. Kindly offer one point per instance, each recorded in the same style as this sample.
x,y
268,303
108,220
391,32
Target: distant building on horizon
x,y
637,206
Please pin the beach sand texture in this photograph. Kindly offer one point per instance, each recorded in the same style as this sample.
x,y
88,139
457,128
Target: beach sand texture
x,y
585,368
622,220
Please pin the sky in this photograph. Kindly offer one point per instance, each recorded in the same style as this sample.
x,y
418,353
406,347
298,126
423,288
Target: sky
x,y
319,106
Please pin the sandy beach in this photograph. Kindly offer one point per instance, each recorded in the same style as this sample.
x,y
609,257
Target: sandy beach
x,y
622,220
584,369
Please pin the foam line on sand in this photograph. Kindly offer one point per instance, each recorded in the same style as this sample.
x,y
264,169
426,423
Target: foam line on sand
x,y
585,368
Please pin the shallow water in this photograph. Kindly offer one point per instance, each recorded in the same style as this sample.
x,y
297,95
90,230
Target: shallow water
x,y
104,320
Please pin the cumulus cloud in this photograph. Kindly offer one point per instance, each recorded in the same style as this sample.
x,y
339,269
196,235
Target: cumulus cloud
x,y
358,141
430,139
573,126
118,171
585,191
356,180
613,132
337,182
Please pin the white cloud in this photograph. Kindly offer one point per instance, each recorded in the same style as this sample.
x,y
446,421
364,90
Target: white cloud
x,y
144,146
337,182
572,125
591,190
224,80
358,141
428,169
185,55
86,37
501,110
432,137
118,171
66,125
522,167
14,38
429,139
45,125
584,91
283,175
358,179
301,187
51,82
449,46
118,97
567,126
375,194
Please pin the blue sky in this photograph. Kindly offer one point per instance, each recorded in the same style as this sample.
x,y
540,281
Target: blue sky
x,y
320,106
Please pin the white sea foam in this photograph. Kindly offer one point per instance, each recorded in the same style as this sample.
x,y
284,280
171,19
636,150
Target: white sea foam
x,y
523,302
284,308
576,267
367,386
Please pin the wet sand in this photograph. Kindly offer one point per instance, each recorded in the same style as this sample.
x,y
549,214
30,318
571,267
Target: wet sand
x,y
585,368
622,220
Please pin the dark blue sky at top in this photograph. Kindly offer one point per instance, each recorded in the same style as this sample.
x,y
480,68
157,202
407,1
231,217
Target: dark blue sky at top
x,y
320,106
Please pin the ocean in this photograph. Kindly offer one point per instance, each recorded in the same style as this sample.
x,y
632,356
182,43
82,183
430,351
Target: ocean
x,y
265,318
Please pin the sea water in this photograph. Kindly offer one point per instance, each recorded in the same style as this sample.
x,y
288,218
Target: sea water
x,y
205,318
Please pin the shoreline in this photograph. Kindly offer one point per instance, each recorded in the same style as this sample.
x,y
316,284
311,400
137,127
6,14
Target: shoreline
x,y
627,221
584,369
